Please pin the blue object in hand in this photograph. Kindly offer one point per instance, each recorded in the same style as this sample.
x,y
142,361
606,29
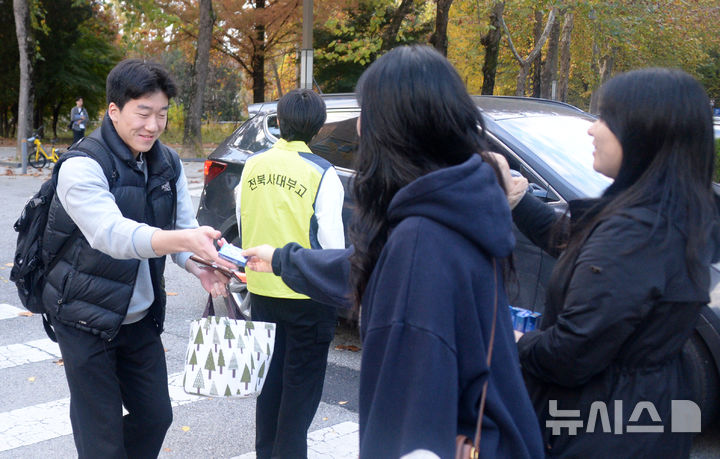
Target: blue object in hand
x,y
232,254
524,320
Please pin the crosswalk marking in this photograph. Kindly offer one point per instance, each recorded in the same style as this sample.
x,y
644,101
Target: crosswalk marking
x,y
33,424
13,355
340,441
9,312
45,421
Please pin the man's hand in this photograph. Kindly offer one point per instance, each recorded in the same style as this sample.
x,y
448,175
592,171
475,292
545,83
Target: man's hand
x,y
259,258
515,187
212,280
197,240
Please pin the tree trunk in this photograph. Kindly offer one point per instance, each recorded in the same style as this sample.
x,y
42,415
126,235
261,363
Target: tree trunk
x,y
192,135
4,124
258,59
550,66
439,37
55,116
606,65
525,63
536,66
521,78
565,56
21,10
491,42
278,81
594,70
389,36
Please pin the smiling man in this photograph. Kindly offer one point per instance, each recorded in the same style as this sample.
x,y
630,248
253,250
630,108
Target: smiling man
x,y
121,205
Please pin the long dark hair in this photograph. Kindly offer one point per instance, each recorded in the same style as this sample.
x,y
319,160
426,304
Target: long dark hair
x,y
663,120
416,117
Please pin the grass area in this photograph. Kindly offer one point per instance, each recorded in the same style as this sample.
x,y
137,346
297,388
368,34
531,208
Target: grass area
x,y
212,134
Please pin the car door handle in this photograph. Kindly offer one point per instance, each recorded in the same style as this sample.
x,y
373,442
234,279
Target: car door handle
x,y
537,191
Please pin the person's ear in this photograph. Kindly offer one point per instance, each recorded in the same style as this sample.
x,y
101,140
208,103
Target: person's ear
x,y
113,112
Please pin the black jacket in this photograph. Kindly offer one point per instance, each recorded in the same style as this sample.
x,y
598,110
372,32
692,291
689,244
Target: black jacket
x,y
613,330
88,289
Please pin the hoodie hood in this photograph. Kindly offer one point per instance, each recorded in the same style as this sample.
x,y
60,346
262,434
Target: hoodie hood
x,y
465,198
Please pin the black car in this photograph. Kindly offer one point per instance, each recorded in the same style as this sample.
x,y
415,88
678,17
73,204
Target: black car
x,y
546,141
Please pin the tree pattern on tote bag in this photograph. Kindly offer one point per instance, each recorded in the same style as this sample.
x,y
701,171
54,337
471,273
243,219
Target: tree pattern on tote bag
x,y
199,383
233,365
210,364
199,339
220,361
229,334
193,360
227,357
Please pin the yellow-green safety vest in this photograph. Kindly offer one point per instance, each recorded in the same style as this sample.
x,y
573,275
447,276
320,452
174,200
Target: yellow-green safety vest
x,y
277,206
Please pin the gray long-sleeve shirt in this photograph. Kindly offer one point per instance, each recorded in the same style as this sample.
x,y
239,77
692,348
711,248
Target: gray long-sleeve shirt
x,y
84,192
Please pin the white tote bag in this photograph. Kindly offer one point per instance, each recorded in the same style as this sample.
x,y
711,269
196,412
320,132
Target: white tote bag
x,y
227,357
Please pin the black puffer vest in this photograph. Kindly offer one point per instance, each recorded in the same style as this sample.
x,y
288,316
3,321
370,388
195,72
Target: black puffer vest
x,y
88,289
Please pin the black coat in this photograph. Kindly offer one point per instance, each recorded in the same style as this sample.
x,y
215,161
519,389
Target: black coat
x,y
612,332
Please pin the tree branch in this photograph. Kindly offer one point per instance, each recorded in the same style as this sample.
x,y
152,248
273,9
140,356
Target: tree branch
x,y
538,45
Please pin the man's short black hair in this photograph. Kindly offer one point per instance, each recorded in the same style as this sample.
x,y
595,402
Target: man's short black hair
x,y
135,78
78,98
300,114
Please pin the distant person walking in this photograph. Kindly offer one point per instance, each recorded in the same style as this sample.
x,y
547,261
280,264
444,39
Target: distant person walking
x,y
78,118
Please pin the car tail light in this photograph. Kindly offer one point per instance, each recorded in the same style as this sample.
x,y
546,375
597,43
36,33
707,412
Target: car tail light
x,y
212,170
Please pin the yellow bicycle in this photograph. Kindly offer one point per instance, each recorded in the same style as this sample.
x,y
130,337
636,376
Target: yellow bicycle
x,y
38,156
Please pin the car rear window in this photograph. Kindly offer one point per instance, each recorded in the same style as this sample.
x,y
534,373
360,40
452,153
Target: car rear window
x,y
337,139
251,136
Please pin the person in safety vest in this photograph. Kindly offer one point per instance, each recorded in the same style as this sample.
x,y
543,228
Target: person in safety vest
x,y
288,194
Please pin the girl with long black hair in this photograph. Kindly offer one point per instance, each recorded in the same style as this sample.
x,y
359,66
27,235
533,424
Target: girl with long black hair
x,y
632,275
431,223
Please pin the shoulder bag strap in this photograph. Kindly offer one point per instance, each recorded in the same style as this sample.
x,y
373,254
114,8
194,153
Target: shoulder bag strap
x,y
478,430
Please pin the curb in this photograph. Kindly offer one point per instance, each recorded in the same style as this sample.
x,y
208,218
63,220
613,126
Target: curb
x,y
10,164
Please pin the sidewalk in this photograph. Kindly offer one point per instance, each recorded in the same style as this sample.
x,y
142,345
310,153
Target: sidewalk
x,y
7,157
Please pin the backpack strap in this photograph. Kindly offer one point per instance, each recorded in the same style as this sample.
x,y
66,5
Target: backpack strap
x,y
93,148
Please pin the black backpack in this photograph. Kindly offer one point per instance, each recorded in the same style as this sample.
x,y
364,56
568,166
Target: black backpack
x,y
28,271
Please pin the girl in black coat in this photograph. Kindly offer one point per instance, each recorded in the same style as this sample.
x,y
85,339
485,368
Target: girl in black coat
x,y
604,369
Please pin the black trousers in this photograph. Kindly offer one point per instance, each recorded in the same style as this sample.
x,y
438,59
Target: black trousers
x,y
291,394
103,376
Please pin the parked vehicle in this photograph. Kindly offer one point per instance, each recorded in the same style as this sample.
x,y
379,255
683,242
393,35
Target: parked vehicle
x,y
546,141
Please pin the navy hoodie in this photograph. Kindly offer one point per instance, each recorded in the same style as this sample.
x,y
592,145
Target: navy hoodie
x,y
426,320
